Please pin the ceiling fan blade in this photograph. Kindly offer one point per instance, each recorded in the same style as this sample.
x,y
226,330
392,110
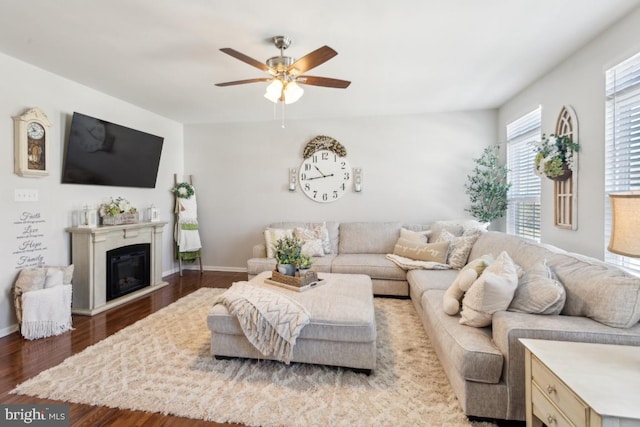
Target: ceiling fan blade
x,y
241,82
312,60
244,58
323,81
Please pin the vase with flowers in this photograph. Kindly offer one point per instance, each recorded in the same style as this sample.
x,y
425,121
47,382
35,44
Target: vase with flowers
x,y
118,211
555,157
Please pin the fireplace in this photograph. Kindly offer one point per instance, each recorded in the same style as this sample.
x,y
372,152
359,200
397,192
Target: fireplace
x,y
128,269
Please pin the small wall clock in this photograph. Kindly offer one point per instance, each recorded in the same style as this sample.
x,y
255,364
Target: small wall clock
x,y
31,143
325,173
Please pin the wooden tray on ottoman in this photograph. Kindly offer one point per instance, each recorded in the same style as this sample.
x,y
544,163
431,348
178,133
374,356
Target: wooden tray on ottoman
x,y
300,284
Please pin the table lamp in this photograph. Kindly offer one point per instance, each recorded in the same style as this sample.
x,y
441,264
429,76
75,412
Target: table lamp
x,y
625,224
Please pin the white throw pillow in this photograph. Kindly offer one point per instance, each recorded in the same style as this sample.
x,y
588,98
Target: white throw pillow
x,y
539,292
491,292
271,236
312,247
469,273
418,236
53,278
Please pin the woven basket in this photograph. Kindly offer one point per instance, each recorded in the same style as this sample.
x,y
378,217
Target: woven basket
x,y
310,277
125,218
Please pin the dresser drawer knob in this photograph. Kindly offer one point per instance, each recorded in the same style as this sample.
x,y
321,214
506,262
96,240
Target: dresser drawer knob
x,y
551,420
551,389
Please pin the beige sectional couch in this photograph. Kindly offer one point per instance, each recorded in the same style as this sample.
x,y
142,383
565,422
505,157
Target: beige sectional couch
x,y
485,365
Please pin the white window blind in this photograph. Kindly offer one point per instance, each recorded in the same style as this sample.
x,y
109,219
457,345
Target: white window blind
x,y
523,213
622,142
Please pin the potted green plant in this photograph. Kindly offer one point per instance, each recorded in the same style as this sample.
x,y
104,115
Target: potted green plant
x,y
487,186
304,264
287,251
555,157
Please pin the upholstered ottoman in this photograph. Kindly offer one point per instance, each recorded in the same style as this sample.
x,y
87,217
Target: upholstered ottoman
x,y
342,330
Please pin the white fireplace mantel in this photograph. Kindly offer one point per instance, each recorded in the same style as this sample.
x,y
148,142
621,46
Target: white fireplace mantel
x,y
89,247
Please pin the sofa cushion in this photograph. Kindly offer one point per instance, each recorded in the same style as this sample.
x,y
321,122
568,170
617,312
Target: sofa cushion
x,y
368,237
423,280
491,292
469,350
376,266
418,236
455,226
412,249
538,292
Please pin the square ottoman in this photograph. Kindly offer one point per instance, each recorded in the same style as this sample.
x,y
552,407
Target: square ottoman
x,y
342,330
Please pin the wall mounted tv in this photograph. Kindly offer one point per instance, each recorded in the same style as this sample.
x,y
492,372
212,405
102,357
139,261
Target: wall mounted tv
x,y
103,153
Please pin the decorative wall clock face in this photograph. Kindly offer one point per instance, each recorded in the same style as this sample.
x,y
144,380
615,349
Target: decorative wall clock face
x,y
325,176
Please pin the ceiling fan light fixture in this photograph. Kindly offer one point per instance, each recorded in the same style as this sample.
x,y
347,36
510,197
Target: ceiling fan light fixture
x,y
274,90
292,92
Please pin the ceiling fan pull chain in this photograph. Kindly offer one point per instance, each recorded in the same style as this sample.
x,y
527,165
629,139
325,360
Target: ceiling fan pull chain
x,y
282,115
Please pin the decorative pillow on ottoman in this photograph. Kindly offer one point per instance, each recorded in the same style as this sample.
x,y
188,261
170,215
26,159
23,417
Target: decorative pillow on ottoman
x,y
539,292
491,292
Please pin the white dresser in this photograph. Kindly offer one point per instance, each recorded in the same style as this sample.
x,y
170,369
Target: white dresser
x,y
581,384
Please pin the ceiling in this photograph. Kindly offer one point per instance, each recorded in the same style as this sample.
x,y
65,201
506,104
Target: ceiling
x,y
403,57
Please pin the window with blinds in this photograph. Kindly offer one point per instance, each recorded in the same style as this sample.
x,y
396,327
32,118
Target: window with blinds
x,y
622,142
523,214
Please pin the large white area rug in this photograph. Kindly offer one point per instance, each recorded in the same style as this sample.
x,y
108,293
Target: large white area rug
x,y
163,364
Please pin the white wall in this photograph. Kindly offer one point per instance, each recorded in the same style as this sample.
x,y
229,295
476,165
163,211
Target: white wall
x,y
414,168
579,82
23,86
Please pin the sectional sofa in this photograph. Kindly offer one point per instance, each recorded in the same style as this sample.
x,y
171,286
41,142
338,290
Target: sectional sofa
x,y
485,365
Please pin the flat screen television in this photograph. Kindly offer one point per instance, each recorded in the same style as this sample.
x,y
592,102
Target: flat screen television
x,y
103,153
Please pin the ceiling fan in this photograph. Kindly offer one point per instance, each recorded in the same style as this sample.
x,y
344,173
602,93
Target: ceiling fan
x,y
287,73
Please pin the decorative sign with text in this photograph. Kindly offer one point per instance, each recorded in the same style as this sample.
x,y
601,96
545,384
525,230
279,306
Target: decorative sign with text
x,y
31,245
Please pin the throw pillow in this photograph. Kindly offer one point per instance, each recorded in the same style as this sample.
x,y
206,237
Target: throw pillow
x,y
459,247
53,278
491,292
30,279
312,247
463,281
456,227
435,252
271,236
418,236
539,292
315,235
67,272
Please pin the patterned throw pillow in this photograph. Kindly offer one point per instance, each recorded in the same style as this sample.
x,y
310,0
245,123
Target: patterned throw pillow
x,y
435,252
459,247
317,233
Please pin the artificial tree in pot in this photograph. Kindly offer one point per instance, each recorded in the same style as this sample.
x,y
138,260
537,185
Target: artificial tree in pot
x,y
488,186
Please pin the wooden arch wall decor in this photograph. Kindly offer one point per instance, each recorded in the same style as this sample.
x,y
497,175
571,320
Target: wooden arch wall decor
x,y
565,193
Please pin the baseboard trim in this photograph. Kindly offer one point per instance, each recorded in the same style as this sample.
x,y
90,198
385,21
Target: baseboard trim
x,y
8,330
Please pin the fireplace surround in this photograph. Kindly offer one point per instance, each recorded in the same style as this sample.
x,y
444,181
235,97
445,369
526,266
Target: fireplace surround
x,y
89,254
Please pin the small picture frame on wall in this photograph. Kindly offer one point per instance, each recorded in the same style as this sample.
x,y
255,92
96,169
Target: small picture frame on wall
x,y
31,143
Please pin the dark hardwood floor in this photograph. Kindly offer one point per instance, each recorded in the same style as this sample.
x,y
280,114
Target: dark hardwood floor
x,y
21,359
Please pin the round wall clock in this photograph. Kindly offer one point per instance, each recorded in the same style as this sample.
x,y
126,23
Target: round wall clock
x,y
325,176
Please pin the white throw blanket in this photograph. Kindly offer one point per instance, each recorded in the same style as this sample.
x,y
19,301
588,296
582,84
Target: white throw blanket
x,y
46,312
413,264
270,320
187,234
